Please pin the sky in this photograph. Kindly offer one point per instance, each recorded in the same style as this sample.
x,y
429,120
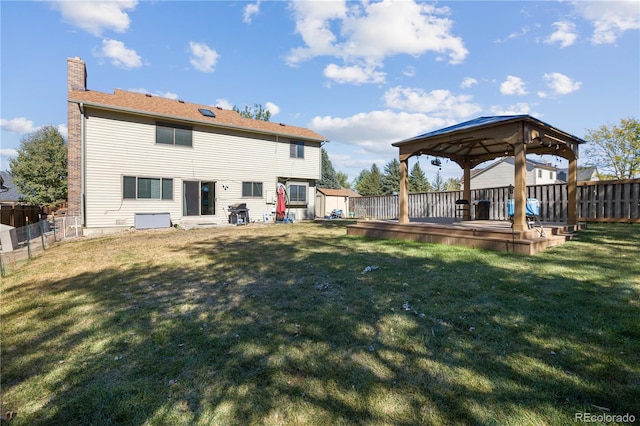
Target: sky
x,y
363,74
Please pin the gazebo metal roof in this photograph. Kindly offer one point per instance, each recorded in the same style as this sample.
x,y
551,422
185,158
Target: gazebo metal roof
x,y
486,138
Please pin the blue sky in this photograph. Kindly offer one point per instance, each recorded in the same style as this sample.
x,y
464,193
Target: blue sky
x,y
363,74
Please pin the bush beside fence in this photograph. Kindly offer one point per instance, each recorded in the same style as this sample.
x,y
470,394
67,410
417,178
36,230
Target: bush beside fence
x,y
598,201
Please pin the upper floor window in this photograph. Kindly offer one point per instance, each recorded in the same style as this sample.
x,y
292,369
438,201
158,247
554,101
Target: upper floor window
x,y
540,173
296,150
172,134
551,175
252,189
141,188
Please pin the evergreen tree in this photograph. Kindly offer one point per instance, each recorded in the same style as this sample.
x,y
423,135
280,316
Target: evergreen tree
x,y
369,182
328,178
418,180
343,180
362,176
391,177
438,182
40,168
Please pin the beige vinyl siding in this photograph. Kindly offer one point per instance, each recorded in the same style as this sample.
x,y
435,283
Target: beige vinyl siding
x,y
502,174
117,146
499,175
326,204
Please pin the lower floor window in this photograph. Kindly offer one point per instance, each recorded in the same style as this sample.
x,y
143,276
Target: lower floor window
x,y
144,188
297,194
252,189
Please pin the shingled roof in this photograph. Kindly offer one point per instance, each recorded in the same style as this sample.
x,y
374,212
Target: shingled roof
x,y
148,105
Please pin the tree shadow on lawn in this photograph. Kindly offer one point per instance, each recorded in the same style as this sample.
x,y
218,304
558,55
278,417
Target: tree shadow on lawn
x,y
293,330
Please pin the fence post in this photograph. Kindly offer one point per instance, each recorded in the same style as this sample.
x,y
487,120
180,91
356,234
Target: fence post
x,y
75,224
28,240
54,228
64,227
41,234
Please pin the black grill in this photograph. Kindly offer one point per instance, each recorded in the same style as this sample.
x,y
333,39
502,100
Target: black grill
x,y
238,214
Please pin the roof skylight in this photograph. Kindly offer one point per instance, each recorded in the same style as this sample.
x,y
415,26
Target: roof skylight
x,y
206,112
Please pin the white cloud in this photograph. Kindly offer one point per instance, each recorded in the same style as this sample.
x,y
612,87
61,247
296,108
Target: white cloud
x,y
250,10
468,82
565,34
224,104
561,84
368,32
202,58
375,131
64,130
18,125
513,86
119,55
272,108
410,71
95,17
523,31
353,74
168,95
8,152
610,18
521,108
441,103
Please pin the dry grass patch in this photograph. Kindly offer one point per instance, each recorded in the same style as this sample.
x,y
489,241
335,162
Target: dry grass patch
x,y
301,324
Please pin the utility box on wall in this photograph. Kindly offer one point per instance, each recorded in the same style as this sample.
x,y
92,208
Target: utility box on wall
x,y
152,220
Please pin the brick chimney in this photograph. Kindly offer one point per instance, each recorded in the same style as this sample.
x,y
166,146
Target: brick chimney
x,y
76,80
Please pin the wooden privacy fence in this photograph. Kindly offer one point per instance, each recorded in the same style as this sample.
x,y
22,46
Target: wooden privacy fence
x,y
17,215
598,201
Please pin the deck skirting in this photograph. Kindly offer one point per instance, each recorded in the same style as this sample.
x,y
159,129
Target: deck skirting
x,y
483,234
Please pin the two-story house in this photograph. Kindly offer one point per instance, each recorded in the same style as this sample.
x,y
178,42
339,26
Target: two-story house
x,y
501,172
135,154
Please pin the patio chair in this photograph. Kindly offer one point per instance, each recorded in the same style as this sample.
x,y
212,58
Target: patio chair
x,y
462,206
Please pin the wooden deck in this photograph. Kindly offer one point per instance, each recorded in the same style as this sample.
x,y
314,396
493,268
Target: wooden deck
x,y
485,234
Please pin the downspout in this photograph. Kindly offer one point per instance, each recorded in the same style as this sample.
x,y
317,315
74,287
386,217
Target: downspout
x,y
83,173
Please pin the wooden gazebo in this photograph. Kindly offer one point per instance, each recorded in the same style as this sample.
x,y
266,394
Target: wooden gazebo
x,y
486,138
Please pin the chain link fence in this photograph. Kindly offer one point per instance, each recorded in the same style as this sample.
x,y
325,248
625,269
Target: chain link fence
x,y
21,244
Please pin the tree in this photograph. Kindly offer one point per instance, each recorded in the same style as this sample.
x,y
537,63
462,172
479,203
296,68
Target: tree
x,y
328,177
615,150
418,180
343,180
369,182
256,113
438,183
391,177
452,184
40,168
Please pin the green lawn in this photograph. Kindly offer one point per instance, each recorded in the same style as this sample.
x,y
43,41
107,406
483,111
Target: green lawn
x,y
285,324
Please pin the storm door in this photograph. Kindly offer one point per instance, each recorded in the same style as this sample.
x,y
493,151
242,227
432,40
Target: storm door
x,y
207,198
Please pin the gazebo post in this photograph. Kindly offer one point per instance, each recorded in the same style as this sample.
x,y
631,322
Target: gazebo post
x,y
403,214
520,187
466,190
572,192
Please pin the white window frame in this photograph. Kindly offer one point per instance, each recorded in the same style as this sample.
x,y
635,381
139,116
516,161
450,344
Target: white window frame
x,y
306,193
